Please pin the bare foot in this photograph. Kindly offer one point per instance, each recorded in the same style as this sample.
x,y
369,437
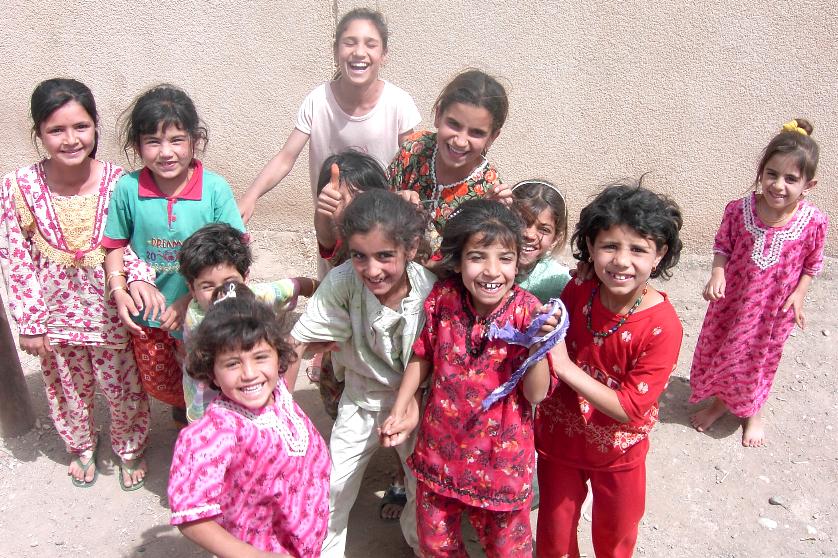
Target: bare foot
x,y
83,467
753,431
705,418
133,472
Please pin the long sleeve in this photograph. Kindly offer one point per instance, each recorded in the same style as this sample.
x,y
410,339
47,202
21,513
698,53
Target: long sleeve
x,y
26,302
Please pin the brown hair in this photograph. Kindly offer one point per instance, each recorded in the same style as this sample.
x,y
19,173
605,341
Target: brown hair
x,y
792,142
531,197
479,89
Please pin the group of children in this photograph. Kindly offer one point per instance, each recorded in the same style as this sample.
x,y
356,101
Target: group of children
x,y
135,282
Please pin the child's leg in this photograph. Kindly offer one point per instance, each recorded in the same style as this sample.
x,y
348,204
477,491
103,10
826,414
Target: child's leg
x,y
155,352
120,383
438,524
705,418
753,430
407,519
353,441
70,388
563,492
503,534
619,503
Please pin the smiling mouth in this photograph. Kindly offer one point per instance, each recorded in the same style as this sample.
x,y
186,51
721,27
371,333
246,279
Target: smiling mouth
x,y
529,248
489,286
253,389
621,276
358,66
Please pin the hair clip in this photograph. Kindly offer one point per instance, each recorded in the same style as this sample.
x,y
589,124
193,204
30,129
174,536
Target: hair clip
x,y
455,213
791,126
231,293
541,183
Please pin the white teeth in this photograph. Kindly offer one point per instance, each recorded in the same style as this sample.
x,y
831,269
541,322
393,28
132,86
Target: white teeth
x,y
619,277
529,248
456,150
491,286
359,65
252,389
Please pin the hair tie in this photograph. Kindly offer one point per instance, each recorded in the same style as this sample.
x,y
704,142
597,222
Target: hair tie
x,y
791,126
231,293
541,183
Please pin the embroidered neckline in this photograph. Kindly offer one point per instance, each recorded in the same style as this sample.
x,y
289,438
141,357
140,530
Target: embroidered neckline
x,y
780,235
296,441
438,188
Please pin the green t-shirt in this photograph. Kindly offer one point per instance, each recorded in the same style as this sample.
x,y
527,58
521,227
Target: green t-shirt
x,y
547,279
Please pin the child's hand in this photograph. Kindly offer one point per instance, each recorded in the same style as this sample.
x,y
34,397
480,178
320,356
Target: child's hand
x,y
551,322
35,345
583,271
172,317
715,288
147,298
331,201
316,347
411,196
125,308
795,302
500,192
246,208
398,426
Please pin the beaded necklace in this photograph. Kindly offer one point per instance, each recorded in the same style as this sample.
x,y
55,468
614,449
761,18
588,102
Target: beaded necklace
x,y
438,188
623,318
484,322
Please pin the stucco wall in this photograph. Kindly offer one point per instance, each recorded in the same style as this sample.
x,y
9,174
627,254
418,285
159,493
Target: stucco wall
x,y
598,90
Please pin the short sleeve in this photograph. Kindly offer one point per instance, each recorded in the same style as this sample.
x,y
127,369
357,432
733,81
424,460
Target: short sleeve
x,y
725,240
645,383
305,114
326,317
424,345
225,209
120,224
202,455
281,294
409,116
813,262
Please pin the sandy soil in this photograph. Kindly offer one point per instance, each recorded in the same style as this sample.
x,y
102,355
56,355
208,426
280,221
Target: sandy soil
x,y
707,495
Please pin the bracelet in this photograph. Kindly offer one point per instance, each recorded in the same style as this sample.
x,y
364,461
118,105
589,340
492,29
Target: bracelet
x,y
113,290
113,274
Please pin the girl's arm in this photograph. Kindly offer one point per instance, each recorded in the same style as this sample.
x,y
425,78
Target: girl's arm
x,y
404,417
141,296
329,206
211,536
602,397
537,380
796,298
273,173
715,288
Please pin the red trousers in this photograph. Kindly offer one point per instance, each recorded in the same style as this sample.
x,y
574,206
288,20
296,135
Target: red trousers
x,y
618,506
157,362
438,524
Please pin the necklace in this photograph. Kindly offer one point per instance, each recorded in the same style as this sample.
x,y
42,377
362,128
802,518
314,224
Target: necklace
x,y
623,317
438,188
483,322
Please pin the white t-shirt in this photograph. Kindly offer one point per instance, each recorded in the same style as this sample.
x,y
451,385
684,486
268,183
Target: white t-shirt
x,y
376,133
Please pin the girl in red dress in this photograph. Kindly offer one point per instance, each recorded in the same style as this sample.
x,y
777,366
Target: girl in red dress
x,y
612,367
468,460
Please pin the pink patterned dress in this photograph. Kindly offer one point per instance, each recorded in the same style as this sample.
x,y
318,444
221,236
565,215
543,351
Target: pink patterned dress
x,y
263,476
742,338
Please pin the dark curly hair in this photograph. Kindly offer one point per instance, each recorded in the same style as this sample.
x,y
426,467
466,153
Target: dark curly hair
x,y
628,203
400,221
212,245
489,218
236,323
165,105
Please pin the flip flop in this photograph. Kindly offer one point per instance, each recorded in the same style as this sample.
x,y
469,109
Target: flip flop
x,y
123,468
86,467
395,495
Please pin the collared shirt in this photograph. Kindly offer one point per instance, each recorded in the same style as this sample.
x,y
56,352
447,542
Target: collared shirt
x,y
375,341
155,226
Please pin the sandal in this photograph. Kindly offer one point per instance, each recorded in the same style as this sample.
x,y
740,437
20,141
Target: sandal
x,y
85,467
123,469
395,495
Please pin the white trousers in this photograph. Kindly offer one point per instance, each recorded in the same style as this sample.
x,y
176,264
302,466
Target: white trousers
x,y
353,442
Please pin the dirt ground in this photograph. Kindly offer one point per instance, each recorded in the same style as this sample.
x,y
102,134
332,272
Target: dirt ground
x,y
707,495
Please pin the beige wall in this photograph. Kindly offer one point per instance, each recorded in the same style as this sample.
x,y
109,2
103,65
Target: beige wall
x,y
599,90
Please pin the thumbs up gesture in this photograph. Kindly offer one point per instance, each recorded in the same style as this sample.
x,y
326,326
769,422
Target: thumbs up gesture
x,y
330,204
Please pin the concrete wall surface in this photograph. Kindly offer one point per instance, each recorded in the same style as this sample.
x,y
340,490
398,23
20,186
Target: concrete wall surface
x,y
689,92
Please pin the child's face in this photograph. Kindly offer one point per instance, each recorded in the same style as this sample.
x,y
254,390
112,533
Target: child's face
x,y
380,263
248,377
209,279
68,134
623,260
783,182
463,133
167,153
488,272
540,237
359,53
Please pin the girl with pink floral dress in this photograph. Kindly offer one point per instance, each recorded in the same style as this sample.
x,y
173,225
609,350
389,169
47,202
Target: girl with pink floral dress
x,y
252,474
53,219
767,251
